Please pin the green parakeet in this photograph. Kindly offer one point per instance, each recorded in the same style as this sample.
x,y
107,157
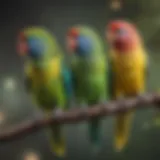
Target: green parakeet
x,y
89,71
48,79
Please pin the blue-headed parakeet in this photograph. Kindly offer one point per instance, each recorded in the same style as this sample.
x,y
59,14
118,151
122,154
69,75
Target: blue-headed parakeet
x,y
48,79
89,71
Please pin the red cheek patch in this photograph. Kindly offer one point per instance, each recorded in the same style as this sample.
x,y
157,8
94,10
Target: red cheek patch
x,y
72,36
22,46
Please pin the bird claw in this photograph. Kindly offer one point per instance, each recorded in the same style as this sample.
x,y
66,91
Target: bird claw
x,y
103,101
57,111
84,105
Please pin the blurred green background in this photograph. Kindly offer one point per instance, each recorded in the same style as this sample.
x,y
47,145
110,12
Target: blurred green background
x,y
58,16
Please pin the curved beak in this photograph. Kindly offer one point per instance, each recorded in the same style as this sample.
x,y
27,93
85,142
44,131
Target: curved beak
x,y
22,48
71,44
122,43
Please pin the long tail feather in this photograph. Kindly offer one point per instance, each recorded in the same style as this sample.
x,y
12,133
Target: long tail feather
x,y
122,130
57,140
94,132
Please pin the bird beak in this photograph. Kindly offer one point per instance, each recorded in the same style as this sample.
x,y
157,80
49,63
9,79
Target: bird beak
x,y
122,43
71,44
22,48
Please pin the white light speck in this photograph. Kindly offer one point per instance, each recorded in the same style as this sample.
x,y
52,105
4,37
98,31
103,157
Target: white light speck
x,y
9,84
115,5
31,156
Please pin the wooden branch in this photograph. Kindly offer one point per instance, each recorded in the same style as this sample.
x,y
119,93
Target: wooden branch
x,y
80,114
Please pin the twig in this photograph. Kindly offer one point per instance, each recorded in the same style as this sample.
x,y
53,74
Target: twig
x,y
80,114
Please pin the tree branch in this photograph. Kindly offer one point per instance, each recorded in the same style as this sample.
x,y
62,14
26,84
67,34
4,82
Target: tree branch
x,y
80,114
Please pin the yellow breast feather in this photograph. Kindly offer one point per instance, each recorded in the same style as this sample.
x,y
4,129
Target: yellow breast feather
x,y
129,60
129,70
44,75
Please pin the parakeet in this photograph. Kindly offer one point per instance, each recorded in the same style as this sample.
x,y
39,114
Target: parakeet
x,y
89,72
128,68
48,78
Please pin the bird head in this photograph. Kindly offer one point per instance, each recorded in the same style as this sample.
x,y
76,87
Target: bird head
x,y
78,43
122,36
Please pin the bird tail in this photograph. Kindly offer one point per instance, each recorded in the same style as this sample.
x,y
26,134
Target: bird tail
x,y
57,140
122,129
94,132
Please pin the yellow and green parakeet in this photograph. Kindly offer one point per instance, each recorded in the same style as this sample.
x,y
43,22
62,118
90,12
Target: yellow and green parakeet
x,y
89,71
128,68
48,78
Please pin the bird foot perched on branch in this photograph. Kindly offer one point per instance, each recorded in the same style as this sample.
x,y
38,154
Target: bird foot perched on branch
x,y
58,112
103,101
39,115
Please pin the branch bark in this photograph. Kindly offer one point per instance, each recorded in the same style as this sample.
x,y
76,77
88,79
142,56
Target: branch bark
x,y
80,114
